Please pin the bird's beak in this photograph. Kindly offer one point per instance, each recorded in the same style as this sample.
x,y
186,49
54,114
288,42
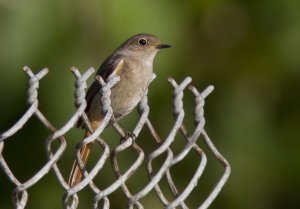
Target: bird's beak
x,y
163,46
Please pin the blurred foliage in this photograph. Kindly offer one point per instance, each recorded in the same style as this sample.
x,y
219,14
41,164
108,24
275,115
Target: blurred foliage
x,y
248,49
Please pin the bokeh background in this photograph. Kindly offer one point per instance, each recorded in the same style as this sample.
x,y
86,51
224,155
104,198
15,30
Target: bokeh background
x,y
249,50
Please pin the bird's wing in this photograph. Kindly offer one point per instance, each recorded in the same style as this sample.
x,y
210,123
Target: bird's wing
x,y
111,66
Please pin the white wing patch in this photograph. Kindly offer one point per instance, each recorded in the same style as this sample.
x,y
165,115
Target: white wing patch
x,y
118,68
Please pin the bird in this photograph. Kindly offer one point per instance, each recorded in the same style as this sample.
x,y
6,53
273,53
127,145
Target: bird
x,y
132,61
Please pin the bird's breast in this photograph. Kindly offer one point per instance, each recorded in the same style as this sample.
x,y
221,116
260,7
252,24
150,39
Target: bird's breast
x,y
127,93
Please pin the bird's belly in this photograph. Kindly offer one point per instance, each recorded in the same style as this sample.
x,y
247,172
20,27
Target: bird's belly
x,y
127,93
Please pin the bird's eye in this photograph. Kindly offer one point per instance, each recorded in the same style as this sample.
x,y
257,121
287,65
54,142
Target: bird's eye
x,y
142,42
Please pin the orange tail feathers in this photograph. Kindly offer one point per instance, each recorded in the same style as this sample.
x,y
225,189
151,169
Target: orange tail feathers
x,y
76,174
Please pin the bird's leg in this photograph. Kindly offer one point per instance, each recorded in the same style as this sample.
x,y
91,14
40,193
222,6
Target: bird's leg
x,y
126,135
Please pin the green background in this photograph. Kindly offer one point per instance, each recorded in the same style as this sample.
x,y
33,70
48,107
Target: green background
x,y
249,50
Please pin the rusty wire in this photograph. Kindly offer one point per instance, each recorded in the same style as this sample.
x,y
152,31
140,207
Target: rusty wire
x,y
101,199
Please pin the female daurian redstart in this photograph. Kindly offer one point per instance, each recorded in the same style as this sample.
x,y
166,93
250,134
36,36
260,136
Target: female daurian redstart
x,y
133,63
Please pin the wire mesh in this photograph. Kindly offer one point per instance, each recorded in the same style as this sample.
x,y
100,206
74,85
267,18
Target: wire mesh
x,y
101,196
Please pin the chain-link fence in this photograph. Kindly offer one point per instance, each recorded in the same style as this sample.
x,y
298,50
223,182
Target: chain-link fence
x,y
130,141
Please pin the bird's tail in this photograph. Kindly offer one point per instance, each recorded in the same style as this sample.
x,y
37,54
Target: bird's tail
x,y
76,175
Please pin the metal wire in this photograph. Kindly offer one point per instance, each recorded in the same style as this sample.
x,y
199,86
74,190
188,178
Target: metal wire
x,y
130,141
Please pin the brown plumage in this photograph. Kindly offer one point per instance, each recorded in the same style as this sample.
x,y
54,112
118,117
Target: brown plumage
x,y
133,62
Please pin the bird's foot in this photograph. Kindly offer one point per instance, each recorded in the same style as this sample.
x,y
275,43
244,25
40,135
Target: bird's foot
x,y
128,135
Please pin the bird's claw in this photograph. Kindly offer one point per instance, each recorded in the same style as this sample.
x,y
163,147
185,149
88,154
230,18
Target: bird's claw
x,y
128,135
